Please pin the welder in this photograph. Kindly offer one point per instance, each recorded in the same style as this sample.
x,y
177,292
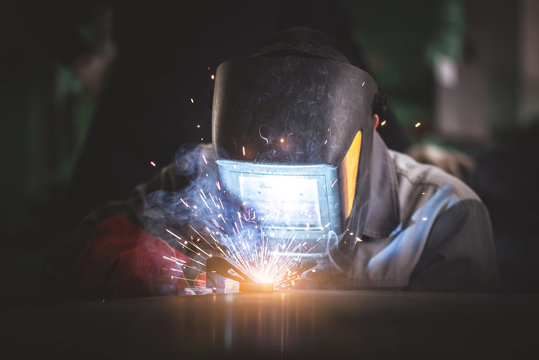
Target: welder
x,y
299,109
294,137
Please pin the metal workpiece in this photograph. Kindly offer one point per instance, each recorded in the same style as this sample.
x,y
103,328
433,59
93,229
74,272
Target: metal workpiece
x,y
252,287
280,325
223,276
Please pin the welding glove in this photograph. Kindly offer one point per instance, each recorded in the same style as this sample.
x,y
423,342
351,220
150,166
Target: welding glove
x,y
324,276
329,272
121,260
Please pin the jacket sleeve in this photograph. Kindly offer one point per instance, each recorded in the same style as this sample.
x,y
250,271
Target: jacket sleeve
x,y
108,254
121,260
459,254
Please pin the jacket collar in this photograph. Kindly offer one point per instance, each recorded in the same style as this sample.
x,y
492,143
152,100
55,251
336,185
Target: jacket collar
x,y
383,213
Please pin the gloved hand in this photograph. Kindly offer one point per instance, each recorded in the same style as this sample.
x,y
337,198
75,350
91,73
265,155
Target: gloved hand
x,y
322,276
121,260
329,272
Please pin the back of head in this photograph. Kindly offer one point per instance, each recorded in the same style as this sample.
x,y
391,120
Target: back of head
x,y
305,42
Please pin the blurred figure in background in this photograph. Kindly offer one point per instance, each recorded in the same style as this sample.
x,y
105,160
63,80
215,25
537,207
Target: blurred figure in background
x,y
453,162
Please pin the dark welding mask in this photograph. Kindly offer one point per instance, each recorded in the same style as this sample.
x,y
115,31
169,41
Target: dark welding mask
x,y
293,137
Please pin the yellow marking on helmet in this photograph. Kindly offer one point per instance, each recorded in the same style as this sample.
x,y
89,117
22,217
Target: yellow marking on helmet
x,y
350,165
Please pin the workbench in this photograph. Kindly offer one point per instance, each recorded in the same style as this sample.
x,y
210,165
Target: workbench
x,y
289,325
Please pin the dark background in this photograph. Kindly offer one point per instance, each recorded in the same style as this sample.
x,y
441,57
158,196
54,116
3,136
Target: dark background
x,y
70,142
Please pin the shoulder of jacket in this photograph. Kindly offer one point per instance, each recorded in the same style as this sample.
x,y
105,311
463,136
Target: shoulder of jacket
x,y
422,176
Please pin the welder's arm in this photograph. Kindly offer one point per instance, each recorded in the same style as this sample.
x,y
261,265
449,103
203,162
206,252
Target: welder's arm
x,y
93,259
459,254
110,255
121,260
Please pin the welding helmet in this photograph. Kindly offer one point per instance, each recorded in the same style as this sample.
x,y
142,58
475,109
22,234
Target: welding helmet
x,y
292,127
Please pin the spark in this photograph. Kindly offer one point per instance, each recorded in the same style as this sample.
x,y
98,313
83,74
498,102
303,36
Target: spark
x,y
216,223
173,234
239,217
417,124
262,258
152,163
281,140
185,245
182,278
176,260
205,203
243,150
213,200
212,77
198,126
334,182
363,84
383,123
192,100
205,160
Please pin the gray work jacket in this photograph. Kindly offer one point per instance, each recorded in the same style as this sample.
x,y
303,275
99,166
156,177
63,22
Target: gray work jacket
x,y
425,230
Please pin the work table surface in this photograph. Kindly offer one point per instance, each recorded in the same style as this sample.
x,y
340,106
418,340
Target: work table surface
x,y
295,324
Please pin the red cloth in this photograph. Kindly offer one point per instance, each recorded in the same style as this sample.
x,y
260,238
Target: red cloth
x,y
121,260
